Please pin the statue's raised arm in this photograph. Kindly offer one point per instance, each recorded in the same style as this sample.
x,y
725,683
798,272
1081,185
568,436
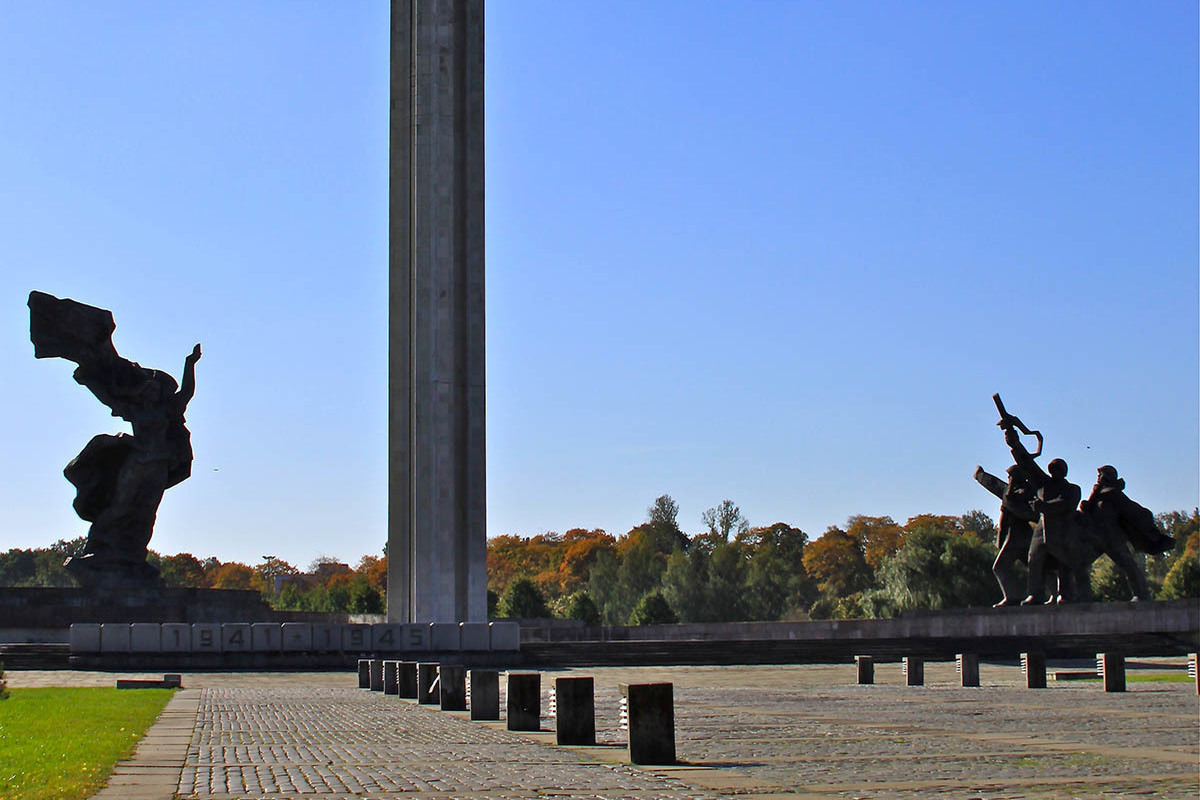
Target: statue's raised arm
x,y
187,387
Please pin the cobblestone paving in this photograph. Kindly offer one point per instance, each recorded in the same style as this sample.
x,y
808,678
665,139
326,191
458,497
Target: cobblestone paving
x,y
746,732
830,739
292,741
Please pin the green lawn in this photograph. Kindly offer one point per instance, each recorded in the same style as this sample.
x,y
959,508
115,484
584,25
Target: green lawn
x,y
58,744
1159,677
1153,677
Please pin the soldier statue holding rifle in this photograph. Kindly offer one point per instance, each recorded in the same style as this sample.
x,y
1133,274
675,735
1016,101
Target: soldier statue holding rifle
x,y
1043,524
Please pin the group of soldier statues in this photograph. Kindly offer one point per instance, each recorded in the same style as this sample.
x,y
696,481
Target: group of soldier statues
x,y
1044,525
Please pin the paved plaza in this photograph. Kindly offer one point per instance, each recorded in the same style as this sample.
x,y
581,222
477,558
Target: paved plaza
x,y
747,732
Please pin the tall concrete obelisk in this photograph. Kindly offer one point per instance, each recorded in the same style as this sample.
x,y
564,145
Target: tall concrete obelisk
x,y
436,480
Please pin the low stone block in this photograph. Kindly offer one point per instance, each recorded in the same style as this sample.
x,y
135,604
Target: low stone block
x,y
386,637
1112,671
485,694
415,638
85,637
356,638
452,687
296,637
206,637
145,637
235,637
390,684
443,637
375,670
265,637
575,715
865,667
651,723
505,635
968,669
364,673
143,683
474,636
914,671
114,637
173,680
406,679
524,701
326,638
427,683
176,637
1034,667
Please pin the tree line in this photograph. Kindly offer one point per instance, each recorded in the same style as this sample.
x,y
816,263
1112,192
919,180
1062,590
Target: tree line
x,y
655,573
327,586
732,571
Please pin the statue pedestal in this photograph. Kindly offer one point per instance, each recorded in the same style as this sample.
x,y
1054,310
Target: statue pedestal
x,y
37,608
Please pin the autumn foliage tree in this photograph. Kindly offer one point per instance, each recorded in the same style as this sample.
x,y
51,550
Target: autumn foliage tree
x,y
837,563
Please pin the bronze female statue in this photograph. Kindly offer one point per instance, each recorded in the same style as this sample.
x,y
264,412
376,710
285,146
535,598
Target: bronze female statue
x,y
119,479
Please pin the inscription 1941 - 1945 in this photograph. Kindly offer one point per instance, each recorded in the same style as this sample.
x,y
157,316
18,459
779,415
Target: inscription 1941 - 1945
x,y
119,479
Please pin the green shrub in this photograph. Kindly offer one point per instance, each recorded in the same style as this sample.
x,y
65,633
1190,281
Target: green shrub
x,y
1183,580
365,599
580,606
653,609
522,600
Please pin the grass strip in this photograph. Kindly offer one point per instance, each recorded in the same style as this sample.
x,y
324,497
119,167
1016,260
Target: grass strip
x,y
1156,677
61,744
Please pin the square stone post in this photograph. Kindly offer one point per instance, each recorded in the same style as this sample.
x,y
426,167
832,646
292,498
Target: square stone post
x,y
651,723
968,669
524,701
452,684
575,704
391,683
1034,667
1112,671
427,683
865,667
914,671
485,694
406,680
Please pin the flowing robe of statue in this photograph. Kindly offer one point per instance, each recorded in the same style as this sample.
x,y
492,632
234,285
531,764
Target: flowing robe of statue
x,y
119,479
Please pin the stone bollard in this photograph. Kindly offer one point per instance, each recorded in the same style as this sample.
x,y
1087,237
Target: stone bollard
x,y
524,701
865,666
427,683
968,669
651,723
575,704
1034,667
914,671
376,674
1112,671
452,684
485,694
406,679
364,673
390,669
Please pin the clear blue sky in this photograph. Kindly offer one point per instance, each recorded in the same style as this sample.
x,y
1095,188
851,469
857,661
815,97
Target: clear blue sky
x,y
778,252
